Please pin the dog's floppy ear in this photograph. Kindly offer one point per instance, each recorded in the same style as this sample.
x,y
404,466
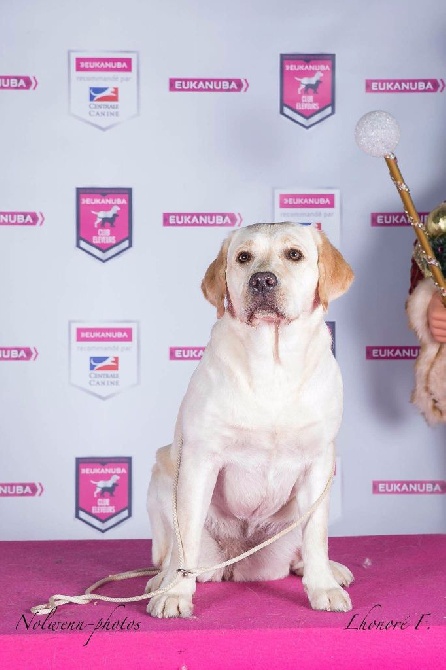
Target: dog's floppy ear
x,y
214,282
335,274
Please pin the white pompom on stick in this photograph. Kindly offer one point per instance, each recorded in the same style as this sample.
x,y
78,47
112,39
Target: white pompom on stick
x,y
377,133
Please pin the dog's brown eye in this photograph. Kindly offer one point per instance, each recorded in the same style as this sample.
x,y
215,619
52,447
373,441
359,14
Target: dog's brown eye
x,y
244,257
294,254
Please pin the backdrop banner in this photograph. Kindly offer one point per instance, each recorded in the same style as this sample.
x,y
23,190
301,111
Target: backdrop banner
x,y
133,143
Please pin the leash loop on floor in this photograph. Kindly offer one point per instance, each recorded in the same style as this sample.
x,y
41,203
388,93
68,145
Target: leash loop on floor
x,y
182,572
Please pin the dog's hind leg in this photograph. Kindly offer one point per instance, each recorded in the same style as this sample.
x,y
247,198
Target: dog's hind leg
x,y
272,562
210,554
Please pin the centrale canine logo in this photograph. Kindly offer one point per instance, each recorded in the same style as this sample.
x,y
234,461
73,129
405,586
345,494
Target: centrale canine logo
x,y
104,357
104,94
104,363
103,87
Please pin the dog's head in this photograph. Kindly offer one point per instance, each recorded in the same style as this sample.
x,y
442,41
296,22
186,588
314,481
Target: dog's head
x,y
274,272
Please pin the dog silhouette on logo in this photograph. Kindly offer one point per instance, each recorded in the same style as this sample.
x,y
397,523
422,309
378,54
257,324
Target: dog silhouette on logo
x,y
106,217
307,83
106,486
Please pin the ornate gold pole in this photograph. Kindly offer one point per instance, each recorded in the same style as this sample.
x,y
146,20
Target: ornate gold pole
x,y
417,225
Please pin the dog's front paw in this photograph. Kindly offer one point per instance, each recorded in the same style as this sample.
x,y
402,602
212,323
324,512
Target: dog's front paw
x,y
176,602
341,573
170,605
330,600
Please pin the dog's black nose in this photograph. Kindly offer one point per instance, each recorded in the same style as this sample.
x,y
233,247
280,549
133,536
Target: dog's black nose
x,y
262,282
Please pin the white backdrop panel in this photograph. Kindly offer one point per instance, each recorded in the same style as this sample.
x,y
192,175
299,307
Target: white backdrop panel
x,y
206,152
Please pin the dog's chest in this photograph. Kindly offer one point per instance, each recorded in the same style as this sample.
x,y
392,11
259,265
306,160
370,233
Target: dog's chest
x,y
255,484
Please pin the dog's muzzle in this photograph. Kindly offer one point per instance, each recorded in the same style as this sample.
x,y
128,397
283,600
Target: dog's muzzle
x,y
263,298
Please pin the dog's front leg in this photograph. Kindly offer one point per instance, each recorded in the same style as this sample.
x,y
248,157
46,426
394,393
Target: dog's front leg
x,y
196,483
324,592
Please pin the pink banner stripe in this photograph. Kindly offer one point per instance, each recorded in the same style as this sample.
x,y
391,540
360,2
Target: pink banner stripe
x,y
409,487
404,85
306,200
21,218
103,64
17,82
20,489
104,334
201,219
393,219
208,85
392,353
18,353
186,353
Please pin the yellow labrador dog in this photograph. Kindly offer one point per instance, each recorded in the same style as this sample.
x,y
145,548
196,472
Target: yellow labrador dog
x,y
257,424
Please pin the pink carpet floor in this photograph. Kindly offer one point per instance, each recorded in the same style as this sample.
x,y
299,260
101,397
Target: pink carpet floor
x,y
248,626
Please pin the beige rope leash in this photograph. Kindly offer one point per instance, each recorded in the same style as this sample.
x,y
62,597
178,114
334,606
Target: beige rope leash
x,y
182,572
